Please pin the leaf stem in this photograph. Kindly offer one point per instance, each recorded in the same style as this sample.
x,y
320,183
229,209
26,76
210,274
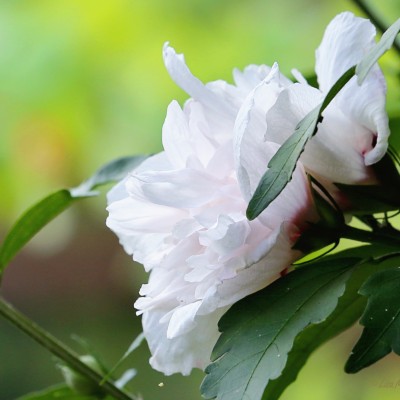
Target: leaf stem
x,y
382,27
48,341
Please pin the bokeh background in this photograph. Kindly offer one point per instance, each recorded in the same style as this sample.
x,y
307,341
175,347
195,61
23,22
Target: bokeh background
x,y
82,83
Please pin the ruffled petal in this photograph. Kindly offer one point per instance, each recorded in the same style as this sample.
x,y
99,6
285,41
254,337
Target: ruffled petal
x,y
347,39
253,75
184,352
250,149
277,255
185,188
366,106
335,153
292,105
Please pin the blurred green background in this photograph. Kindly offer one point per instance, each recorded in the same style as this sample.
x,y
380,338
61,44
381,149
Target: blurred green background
x,y
83,82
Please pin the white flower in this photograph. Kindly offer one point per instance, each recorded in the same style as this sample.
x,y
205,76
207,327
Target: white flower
x,y
182,214
354,132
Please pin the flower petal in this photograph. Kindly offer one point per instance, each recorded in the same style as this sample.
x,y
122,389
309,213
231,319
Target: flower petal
x,y
180,73
184,188
184,352
346,40
366,106
335,153
277,254
250,150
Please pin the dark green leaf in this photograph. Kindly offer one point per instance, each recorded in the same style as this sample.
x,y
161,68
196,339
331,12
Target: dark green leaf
x,y
371,199
59,392
381,320
39,215
382,197
377,51
347,312
394,138
258,331
283,163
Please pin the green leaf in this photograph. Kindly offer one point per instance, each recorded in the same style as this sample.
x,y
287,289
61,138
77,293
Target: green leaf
x,y
377,51
347,312
283,163
381,320
31,222
259,331
59,392
40,214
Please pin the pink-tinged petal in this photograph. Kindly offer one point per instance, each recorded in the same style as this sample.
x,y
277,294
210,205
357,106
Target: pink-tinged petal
x,y
148,250
226,236
142,228
346,40
293,204
366,106
277,255
185,352
335,153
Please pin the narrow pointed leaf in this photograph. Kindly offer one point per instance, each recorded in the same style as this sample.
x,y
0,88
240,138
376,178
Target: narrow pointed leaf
x,y
31,222
40,214
259,331
377,51
134,345
283,163
381,320
349,309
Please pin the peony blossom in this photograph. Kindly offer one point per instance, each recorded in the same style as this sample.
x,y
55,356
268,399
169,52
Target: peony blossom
x,y
354,132
182,214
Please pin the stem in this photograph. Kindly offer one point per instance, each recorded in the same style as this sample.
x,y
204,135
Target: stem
x,y
58,349
376,20
360,235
